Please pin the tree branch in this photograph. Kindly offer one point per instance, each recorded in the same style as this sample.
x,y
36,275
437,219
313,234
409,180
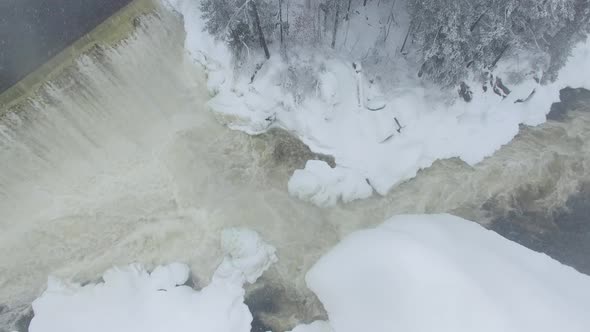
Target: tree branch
x,y
233,17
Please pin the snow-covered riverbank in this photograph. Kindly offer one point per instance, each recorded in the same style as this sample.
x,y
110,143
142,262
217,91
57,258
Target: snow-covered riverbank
x,y
416,124
415,273
133,299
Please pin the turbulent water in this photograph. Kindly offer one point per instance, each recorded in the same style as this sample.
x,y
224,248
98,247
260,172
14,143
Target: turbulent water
x,y
121,161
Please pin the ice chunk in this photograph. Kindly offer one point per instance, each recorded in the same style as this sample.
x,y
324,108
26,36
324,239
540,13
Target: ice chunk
x,y
444,273
245,254
324,186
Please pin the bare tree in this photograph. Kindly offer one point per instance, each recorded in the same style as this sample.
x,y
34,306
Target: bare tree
x,y
336,18
259,28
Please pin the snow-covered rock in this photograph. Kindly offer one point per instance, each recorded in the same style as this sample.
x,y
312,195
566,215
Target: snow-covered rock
x,y
443,273
245,253
325,186
130,299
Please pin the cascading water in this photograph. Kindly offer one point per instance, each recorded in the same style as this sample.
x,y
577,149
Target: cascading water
x,y
120,161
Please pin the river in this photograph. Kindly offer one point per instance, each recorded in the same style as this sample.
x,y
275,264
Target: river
x,y
121,162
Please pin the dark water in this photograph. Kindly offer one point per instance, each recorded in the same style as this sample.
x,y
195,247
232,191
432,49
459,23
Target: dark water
x,y
32,31
562,233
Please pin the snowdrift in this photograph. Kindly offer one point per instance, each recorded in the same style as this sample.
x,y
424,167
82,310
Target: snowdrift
x,y
443,273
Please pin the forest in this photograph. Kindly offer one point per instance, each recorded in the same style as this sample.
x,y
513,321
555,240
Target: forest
x,y
445,40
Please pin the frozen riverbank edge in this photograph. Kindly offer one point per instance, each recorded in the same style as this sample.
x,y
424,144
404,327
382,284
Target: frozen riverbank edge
x,y
374,151
413,273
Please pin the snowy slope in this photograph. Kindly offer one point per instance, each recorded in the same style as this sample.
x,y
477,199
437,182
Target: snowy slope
x,y
416,126
443,273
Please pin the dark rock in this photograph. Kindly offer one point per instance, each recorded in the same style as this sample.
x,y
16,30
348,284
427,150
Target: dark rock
x,y
500,89
290,151
465,92
276,308
570,99
262,301
24,321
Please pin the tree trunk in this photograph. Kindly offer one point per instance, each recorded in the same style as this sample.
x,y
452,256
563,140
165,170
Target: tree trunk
x,y
406,39
365,3
281,20
499,56
259,29
287,20
390,20
281,29
348,10
474,25
325,9
336,17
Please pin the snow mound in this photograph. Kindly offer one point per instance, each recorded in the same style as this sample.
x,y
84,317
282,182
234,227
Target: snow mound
x,y
443,273
132,299
245,253
325,186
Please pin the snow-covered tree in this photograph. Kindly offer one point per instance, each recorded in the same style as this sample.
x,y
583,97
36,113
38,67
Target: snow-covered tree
x,y
441,32
449,39
455,37
241,23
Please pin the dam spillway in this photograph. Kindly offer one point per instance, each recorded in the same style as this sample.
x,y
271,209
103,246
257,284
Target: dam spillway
x,y
113,158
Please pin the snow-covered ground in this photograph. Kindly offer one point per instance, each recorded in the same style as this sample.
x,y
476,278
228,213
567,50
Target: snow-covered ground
x,y
415,126
132,299
443,273
414,273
